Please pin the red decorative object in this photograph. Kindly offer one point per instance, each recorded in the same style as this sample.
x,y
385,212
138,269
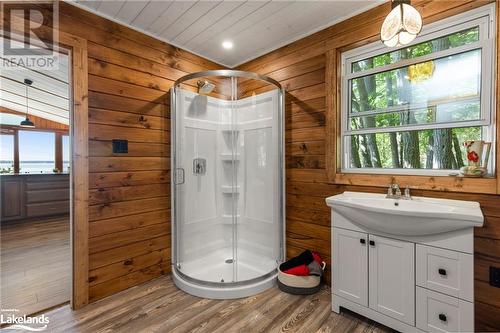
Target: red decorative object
x,y
472,156
477,153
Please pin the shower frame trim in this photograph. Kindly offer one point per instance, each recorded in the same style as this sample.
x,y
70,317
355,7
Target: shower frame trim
x,y
281,159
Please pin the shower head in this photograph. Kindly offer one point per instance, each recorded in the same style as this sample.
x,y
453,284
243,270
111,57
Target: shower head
x,y
205,87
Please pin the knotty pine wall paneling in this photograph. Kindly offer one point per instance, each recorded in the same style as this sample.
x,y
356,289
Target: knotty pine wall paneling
x,y
301,67
129,78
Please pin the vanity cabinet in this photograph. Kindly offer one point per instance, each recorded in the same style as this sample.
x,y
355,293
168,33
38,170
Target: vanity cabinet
x,y
409,283
375,272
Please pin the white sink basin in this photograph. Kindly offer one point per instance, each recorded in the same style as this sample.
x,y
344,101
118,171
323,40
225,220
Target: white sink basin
x,y
420,216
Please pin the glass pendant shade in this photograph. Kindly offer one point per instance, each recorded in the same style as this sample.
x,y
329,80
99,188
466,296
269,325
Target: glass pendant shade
x,y
402,25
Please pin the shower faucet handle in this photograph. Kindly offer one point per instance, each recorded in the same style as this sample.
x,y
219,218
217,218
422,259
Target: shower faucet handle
x,y
199,166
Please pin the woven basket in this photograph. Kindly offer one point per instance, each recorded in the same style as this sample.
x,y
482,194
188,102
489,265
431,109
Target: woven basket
x,y
299,285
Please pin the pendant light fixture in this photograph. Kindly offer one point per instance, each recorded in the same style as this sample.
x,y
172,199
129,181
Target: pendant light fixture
x,y
27,122
402,24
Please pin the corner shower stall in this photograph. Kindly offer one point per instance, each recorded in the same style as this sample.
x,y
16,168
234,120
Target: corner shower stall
x,y
227,139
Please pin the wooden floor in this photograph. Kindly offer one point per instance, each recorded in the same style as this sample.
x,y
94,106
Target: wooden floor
x,y
35,264
158,306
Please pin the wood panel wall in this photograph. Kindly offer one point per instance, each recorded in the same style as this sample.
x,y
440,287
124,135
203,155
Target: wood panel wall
x,y
129,77
301,67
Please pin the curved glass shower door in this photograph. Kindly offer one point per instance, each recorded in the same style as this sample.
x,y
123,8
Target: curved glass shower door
x,y
227,192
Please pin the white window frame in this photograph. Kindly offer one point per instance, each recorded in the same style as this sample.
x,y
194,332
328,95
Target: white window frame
x,y
484,18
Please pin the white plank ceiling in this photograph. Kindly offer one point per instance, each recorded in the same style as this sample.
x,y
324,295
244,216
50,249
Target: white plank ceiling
x,y
254,27
48,96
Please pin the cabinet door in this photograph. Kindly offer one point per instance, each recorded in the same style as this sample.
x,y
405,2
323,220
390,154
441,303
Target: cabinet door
x,y
12,198
392,278
350,265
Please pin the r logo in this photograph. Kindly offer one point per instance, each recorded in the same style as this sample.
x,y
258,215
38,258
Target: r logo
x,y
30,33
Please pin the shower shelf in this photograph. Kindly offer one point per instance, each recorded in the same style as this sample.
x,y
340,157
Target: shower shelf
x,y
228,129
228,219
228,189
229,156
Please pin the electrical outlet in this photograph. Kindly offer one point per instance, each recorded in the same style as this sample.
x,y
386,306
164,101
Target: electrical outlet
x,y
495,276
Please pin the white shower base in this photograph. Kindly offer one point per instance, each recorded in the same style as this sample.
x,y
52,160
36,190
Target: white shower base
x,y
212,268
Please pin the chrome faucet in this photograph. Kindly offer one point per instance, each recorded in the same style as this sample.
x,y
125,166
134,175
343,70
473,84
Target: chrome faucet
x,y
407,193
394,192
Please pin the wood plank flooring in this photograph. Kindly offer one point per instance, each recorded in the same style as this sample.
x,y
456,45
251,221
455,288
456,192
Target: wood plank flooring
x,y
35,264
158,306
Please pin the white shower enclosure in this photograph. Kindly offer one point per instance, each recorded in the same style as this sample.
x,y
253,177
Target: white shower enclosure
x,y
227,149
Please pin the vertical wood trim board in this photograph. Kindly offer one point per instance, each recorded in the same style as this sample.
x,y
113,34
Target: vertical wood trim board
x,y
79,172
58,151
497,49
331,118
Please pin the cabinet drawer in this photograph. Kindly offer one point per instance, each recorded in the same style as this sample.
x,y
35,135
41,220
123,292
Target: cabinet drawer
x,y
46,209
45,185
441,313
446,271
60,194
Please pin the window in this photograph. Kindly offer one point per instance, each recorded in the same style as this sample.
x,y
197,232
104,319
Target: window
x,y
36,152
409,110
6,153
65,153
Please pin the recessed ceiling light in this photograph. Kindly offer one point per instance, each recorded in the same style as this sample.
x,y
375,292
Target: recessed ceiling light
x,y
227,44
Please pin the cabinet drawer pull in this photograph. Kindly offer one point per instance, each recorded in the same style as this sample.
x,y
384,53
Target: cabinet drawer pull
x,y
372,243
442,271
362,240
442,317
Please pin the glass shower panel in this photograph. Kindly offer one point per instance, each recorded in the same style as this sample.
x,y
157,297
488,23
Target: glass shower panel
x,y
236,174
204,181
258,228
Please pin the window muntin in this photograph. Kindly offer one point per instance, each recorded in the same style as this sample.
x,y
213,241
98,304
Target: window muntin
x,y
36,152
440,87
445,115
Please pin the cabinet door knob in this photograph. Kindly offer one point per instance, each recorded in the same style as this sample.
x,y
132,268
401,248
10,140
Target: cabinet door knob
x,y
362,240
442,271
442,317
372,243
